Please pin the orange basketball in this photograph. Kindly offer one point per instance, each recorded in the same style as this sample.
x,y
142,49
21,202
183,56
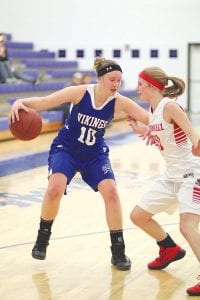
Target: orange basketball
x,y
29,125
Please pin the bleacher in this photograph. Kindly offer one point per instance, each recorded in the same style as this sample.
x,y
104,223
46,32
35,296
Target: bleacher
x,y
58,73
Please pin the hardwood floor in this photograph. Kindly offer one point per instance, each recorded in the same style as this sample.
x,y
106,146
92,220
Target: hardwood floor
x,y
78,259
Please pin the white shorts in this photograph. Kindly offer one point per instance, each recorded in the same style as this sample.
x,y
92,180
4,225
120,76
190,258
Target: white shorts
x,y
166,195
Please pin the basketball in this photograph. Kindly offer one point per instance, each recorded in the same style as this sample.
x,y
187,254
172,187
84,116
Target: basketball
x,y
29,125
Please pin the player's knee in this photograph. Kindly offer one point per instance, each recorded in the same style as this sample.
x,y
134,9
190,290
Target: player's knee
x,y
112,196
136,217
55,192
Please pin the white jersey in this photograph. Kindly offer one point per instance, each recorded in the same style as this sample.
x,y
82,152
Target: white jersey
x,y
174,146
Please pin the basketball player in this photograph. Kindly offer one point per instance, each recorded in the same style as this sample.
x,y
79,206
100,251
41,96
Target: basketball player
x,y
80,147
172,133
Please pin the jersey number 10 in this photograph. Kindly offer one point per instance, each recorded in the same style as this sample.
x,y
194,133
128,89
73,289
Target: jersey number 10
x,y
87,136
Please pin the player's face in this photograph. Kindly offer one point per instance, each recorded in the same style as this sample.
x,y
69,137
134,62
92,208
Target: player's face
x,y
112,81
143,89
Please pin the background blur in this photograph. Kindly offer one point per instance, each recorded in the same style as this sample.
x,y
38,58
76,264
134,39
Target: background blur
x,y
150,29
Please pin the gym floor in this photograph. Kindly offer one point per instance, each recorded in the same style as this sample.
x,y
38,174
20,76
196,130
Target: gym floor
x,y
78,257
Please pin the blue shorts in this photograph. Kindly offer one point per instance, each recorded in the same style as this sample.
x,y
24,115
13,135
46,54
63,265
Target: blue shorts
x,y
92,171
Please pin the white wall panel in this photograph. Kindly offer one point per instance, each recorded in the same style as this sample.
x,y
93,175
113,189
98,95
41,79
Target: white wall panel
x,y
108,24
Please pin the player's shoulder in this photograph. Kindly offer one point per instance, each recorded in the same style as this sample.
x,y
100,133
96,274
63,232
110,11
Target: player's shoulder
x,y
75,93
77,88
171,104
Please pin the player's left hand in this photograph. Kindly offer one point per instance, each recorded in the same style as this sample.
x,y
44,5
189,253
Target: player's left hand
x,y
196,150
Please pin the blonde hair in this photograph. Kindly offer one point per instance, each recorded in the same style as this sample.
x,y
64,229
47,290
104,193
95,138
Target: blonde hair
x,y
101,62
174,90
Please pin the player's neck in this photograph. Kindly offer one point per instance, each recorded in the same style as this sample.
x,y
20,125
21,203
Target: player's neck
x,y
99,95
155,100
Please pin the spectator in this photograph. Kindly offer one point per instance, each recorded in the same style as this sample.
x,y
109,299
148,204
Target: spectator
x,y
86,78
7,73
77,78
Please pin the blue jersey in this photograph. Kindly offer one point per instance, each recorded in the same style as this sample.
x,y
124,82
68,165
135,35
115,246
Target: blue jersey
x,y
83,132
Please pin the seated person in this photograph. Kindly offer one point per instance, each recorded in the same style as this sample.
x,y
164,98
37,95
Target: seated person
x,y
86,78
7,73
77,78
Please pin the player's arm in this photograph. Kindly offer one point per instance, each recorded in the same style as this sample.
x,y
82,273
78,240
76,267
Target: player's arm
x,y
140,130
132,109
69,94
196,149
174,113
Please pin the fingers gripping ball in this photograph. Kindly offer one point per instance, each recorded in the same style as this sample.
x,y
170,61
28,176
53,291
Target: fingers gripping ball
x,y
29,125
196,150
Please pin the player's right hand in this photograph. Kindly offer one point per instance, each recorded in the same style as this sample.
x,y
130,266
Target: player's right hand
x,y
14,112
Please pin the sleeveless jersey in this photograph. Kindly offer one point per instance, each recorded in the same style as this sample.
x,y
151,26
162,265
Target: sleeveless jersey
x,y
174,145
83,132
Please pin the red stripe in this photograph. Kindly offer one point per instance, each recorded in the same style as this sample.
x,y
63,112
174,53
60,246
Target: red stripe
x,y
180,138
196,194
196,198
179,135
196,189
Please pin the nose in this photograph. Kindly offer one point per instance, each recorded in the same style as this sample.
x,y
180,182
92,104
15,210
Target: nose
x,y
116,85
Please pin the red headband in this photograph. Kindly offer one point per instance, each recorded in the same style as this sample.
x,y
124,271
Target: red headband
x,y
152,80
